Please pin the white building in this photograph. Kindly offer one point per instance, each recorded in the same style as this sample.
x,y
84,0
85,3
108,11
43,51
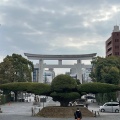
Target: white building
x,y
48,75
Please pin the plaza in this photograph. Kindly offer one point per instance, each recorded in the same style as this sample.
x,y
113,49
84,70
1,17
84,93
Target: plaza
x,y
22,111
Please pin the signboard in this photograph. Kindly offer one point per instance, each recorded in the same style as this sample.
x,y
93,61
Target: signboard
x,y
42,99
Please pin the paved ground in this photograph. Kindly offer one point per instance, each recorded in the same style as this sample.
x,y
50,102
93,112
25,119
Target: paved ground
x,y
22,111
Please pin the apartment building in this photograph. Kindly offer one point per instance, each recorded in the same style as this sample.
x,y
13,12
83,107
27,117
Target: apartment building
x,y
113,43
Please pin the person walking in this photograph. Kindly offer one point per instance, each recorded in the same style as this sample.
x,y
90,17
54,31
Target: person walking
x,y
78,114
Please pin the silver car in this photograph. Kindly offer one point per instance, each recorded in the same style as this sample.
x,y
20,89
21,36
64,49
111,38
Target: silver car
x,y
110,107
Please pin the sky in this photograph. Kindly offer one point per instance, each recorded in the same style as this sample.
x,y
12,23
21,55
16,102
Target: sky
x,y
56,26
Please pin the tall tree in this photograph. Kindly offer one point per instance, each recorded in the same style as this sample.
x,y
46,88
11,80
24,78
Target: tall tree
x,y
106,70
15,68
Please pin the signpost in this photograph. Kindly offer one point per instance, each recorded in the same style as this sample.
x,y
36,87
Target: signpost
x,y
43,100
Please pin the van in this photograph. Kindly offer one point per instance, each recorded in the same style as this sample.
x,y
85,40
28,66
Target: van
x,y
110,107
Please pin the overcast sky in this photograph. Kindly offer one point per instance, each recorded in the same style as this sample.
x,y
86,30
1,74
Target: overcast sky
x,y
56,26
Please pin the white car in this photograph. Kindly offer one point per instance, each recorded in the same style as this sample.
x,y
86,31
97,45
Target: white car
x,y
110,107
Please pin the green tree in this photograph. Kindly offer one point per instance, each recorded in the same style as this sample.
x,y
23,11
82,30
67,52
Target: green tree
x,y
97,87
78,81
110,75
6,71
106,70
64,90
15,68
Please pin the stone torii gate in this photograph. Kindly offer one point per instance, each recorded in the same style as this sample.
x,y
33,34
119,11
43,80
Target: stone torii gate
x,y
42,65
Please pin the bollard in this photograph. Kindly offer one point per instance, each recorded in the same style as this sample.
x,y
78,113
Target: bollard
x,y
33,111
98,113
0,110
95,114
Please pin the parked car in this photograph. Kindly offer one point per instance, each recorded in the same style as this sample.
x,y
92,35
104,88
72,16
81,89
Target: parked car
x,y
110,107
90,99
78,102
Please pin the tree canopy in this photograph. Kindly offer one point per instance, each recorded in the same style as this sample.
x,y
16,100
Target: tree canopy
x,y
15,68
36,88
97,87
106,70
63,88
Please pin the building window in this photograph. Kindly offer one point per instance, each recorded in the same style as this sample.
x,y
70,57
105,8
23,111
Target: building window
x,y
116,53
116,40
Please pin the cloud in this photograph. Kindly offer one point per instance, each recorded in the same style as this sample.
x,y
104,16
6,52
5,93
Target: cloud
x,y
56,26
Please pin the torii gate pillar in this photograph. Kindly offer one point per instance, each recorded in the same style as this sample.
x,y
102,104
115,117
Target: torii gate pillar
x,y
41,69
79,70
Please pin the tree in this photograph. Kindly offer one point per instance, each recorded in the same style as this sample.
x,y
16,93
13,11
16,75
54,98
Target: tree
x,y
97,87
30,87
78,81
110,75
15,68
6,71
64,93
106,70
64,90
